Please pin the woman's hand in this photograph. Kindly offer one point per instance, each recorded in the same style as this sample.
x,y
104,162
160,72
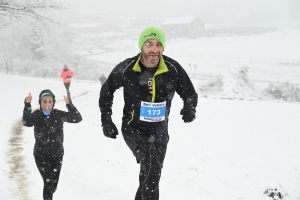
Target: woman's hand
x,y
66,99
28,98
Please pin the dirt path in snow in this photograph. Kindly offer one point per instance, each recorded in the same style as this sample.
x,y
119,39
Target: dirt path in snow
x,y
17,169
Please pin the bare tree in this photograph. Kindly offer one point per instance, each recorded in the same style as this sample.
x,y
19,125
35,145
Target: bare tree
x,y
18,10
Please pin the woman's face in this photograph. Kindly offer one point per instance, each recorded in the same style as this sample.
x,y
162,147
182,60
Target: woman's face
x,y
47,103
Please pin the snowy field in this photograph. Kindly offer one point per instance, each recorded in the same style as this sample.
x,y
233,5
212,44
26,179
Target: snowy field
x,y
267,55
233,150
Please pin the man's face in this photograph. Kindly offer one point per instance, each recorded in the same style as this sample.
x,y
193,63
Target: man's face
x,y
151,52
65,67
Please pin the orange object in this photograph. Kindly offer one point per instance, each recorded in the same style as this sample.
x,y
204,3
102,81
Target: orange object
x,y
66,75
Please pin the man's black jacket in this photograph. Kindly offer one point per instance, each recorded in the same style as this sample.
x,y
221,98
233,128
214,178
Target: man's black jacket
x,y
169,78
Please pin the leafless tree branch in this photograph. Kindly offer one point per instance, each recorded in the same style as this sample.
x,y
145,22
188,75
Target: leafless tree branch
x,y
16,10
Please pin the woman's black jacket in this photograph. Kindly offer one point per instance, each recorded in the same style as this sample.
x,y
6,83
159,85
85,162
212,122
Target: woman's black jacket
x,y
48,130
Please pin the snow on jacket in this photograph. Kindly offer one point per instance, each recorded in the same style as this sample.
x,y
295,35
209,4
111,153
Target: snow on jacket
x,y
66,75
48,130
169,78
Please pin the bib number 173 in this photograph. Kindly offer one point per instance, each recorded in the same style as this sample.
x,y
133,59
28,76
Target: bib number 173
x,y
152,112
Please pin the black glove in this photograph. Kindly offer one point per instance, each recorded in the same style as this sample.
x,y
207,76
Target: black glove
x,y
108,127
27,105
188,112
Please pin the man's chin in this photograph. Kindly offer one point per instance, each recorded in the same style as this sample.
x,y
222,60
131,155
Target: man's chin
x,y
153,61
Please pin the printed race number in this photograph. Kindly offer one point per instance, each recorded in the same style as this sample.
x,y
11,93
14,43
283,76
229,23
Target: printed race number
x,y
152,112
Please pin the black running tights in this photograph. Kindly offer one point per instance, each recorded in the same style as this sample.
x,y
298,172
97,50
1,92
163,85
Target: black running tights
x,y
149,177
49,169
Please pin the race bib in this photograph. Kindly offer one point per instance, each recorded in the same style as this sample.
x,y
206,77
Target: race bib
x,y
69,77
152,112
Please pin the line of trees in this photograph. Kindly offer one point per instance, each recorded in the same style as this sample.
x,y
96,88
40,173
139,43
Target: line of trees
x,y
35,42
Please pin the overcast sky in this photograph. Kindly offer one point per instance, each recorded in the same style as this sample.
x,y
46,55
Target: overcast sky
x,y
210,11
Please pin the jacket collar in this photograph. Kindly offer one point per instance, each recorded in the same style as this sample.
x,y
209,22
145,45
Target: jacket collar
x,y
162,67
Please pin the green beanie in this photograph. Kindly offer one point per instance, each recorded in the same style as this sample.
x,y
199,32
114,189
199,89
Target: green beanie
x,y
152,33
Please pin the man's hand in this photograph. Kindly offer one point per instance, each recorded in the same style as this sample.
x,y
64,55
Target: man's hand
x,y
188,114
188,111
110,130
108,127
28,98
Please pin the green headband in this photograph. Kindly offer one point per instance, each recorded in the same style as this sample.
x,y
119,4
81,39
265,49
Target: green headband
x,y
152,33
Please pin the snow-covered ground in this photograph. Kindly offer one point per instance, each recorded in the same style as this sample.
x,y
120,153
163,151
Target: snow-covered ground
x,y
233,150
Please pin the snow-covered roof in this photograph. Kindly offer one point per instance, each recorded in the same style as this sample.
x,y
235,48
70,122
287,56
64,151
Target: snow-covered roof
x,y
178,20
